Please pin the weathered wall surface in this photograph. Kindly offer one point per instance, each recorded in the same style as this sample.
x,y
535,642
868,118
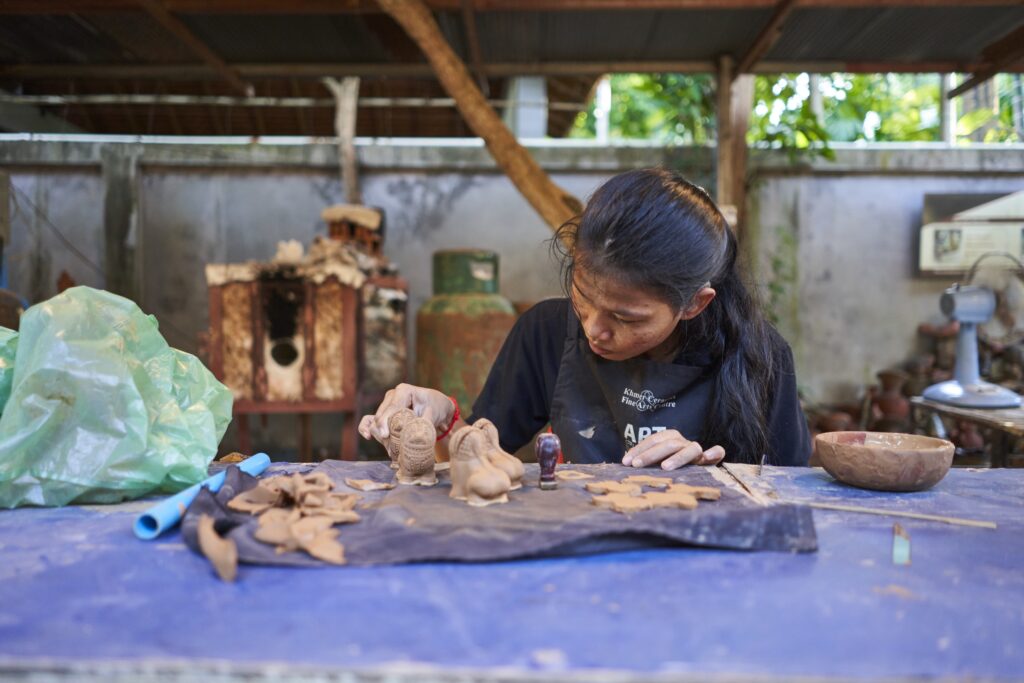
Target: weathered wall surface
x,y
834,243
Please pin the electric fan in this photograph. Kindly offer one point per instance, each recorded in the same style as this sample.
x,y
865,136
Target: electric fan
x,y
992,301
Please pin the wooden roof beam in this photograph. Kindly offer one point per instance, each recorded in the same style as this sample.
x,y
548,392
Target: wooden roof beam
x,y
371,7
473,45
156,9
768,36
31,72
999,56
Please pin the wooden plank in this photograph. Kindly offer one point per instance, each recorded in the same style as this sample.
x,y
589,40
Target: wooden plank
x,y
735,98
473,45
156,9
554,204
1001,54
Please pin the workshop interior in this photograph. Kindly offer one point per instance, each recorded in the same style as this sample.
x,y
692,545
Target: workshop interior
x,y
511,340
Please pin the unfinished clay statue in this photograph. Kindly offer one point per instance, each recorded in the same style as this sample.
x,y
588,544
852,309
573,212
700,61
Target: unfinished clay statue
x,y
416,453
221,552
474,479
506,462
396,423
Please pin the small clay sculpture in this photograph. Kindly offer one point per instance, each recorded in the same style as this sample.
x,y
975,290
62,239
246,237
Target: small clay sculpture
x,y
548,449
221,552
506,462
416,453
474,479
614,487
369,485
396,423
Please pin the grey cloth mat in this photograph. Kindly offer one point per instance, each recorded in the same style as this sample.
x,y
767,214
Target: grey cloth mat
x,y
419,524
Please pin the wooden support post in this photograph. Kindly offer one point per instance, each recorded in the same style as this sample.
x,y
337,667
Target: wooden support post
x,y
554,204
346,99
120,202
735,99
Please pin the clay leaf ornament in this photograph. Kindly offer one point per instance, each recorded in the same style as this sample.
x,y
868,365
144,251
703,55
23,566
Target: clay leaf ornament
x,y
572,475
648,480
221,552
614,487
474,478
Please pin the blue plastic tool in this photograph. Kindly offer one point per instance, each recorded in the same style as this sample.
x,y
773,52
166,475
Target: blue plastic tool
x,y
167,514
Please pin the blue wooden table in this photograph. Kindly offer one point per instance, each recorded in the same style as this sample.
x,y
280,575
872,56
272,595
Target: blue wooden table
x,y
81,597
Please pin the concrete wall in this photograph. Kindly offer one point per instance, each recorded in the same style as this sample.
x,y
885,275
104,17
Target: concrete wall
x,y
837,239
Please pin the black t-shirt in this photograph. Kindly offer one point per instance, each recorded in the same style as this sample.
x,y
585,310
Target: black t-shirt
x,y
518,393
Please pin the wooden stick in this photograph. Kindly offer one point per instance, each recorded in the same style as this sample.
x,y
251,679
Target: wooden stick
x,y
891,513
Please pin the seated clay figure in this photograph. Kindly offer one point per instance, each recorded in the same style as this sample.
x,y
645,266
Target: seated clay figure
x,y
506,462
396,423
416,454
474,479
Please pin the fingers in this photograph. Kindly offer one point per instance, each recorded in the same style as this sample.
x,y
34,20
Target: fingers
x,y
712,456
423,402
660,446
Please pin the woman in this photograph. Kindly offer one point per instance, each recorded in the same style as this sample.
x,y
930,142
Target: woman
x,y
659,355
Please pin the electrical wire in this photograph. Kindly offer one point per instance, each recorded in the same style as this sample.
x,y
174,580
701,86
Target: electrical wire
x,y
56,231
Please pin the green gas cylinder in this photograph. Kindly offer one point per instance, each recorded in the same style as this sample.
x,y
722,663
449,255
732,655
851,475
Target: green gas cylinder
x,y
460,329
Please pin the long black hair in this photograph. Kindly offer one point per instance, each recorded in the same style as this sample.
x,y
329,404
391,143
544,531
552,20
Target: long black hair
x,y
654,230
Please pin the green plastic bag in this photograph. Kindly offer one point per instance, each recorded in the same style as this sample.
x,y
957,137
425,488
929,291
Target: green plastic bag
x,y
101,409
8,347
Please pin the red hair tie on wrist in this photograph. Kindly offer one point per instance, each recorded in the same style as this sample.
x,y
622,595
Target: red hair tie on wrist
x,y
455,418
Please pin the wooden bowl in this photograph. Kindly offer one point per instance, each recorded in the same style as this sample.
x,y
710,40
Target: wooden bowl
x,y
884,461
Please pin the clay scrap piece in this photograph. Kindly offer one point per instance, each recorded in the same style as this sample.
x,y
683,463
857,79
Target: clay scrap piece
x,y
221,552
614,487
474,478
255,500
396,424
233,457
698,492
572,475
648,480
671,499
623,502
369,484
506,462
416,453
298,512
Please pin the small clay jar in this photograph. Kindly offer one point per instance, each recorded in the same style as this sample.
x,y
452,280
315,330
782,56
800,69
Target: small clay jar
x,y
416,453
893,404
474,479
504,461
396,424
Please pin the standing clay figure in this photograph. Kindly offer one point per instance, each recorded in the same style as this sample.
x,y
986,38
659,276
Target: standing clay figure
x,y
474,479
548,449
506,462
416,453
396,423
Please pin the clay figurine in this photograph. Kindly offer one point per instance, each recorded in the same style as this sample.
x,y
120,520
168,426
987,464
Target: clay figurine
x,y
506,462
396,423
474,479
416,453
549,450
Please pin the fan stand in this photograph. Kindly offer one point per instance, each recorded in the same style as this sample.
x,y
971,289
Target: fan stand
x,y
967,389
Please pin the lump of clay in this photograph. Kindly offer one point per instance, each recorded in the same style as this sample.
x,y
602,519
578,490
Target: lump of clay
x,y
416,454
221,552
506,462
396,424
474,479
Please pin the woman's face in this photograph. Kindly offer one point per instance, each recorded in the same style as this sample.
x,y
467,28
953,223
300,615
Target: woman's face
x,y
623,321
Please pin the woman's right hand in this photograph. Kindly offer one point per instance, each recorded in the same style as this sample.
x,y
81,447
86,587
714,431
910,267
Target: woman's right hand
x,y
428,403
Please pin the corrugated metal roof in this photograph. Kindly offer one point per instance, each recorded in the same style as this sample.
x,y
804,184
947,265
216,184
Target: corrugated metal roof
x,y
953,34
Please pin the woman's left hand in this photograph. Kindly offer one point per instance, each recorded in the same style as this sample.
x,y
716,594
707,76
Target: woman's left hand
x,y
672,450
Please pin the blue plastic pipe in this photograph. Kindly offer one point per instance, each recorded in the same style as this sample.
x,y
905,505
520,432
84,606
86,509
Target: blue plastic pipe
x,y
166,515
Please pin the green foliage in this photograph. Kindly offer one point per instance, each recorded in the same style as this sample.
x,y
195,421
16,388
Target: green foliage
x,y
680,109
